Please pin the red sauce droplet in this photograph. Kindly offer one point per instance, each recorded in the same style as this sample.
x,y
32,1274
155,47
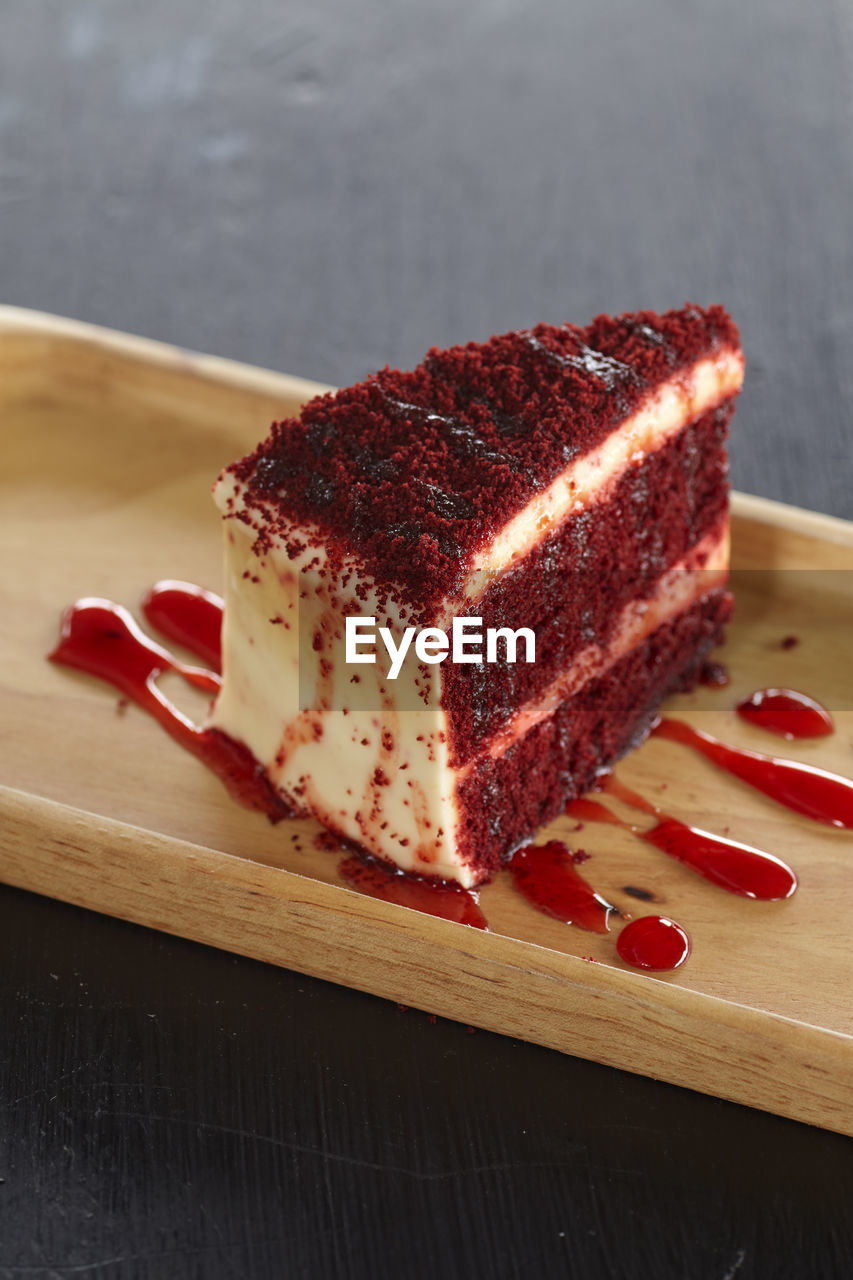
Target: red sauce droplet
x,y
187,615
801,787
102,639
545,874
653,942
790,642
786,712
435,897
738,868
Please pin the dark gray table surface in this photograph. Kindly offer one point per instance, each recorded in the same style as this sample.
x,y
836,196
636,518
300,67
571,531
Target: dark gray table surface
x,y
324,188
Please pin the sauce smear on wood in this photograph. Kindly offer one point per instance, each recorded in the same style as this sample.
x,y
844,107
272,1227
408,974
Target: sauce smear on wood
x,y
738,868
546,875
435,897
826,797
102,639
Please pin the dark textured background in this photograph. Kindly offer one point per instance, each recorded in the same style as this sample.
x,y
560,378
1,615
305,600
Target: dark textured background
x,y
323,188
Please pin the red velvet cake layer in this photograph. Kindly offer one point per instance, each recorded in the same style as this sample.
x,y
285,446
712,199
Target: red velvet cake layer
x,y
572,588
412,473
503,801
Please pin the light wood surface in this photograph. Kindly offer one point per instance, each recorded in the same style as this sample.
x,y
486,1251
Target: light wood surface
x,y
110,446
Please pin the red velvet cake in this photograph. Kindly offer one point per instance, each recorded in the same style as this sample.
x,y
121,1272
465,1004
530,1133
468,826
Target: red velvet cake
x,y
566,482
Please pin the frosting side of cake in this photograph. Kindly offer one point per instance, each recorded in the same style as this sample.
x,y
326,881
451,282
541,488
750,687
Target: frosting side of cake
x,y
370,759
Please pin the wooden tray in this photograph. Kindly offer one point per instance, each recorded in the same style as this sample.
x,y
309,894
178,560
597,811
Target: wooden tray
x,y
110,445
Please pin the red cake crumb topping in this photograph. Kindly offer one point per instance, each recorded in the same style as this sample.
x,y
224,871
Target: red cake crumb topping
x,y
415,471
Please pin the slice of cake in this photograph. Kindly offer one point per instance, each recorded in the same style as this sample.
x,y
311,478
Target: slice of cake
x,y
562,482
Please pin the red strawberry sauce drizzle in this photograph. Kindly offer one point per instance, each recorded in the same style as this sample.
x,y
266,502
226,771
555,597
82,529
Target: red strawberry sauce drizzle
x,y
102,639
738,868
823,796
